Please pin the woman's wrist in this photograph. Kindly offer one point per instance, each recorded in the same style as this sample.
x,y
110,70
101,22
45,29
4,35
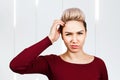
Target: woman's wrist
x,y
50,39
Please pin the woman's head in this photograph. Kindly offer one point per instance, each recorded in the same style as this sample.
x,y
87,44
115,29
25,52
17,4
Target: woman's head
x,y
74,30
73,14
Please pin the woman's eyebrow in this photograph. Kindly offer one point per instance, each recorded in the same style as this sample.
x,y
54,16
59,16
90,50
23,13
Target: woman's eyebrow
x,y
81,31
68,32
76,31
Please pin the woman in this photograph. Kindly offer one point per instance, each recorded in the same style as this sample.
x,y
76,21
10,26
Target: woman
x,y
74,64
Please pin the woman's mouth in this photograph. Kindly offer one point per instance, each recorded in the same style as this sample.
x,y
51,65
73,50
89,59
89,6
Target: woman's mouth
x,y
74,46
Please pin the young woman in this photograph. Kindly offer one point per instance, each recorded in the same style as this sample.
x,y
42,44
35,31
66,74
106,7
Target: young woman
x,y
74,64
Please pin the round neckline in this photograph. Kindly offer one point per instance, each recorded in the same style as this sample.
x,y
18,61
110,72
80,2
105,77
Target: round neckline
x,y
76,63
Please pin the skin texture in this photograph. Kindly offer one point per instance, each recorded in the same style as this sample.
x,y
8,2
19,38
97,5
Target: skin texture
x,y
74,36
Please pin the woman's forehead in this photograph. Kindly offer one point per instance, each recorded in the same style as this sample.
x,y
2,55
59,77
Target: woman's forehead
x,y
74,25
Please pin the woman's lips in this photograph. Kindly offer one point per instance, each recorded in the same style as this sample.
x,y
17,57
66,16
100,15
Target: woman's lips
x,y
74,46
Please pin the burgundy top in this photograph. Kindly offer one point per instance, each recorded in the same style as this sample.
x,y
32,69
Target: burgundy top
x,y
29,61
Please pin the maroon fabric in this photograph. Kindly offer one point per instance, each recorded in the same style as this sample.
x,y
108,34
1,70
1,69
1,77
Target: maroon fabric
x,y
29,61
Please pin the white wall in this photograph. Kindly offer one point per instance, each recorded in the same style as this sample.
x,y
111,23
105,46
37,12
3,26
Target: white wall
x,y
24,22
6,38
108,36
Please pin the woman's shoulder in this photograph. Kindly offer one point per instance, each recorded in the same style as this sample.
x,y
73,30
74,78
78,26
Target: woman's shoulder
x,y
99,60
50,56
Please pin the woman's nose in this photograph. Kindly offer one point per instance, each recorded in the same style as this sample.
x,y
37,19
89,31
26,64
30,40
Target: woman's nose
x,y
74,39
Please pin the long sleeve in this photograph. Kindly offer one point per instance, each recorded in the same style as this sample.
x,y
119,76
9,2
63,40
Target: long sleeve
x,y
104,73
29,61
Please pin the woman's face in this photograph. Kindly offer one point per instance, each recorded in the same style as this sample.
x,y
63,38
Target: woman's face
x,y
73,35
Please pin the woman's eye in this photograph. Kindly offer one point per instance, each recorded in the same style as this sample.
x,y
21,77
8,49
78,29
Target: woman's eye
x,y
67,34
80,33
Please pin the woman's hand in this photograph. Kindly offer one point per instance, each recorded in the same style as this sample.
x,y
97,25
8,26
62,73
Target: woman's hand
x,y
54,31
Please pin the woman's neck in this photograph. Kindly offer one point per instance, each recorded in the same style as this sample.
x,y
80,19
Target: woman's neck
x,y
76,55
79,57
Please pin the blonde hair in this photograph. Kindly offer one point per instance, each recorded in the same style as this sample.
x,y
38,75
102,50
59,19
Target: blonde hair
x,y
73,14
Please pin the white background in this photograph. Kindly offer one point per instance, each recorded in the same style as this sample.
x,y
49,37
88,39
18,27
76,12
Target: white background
x,y
25,22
